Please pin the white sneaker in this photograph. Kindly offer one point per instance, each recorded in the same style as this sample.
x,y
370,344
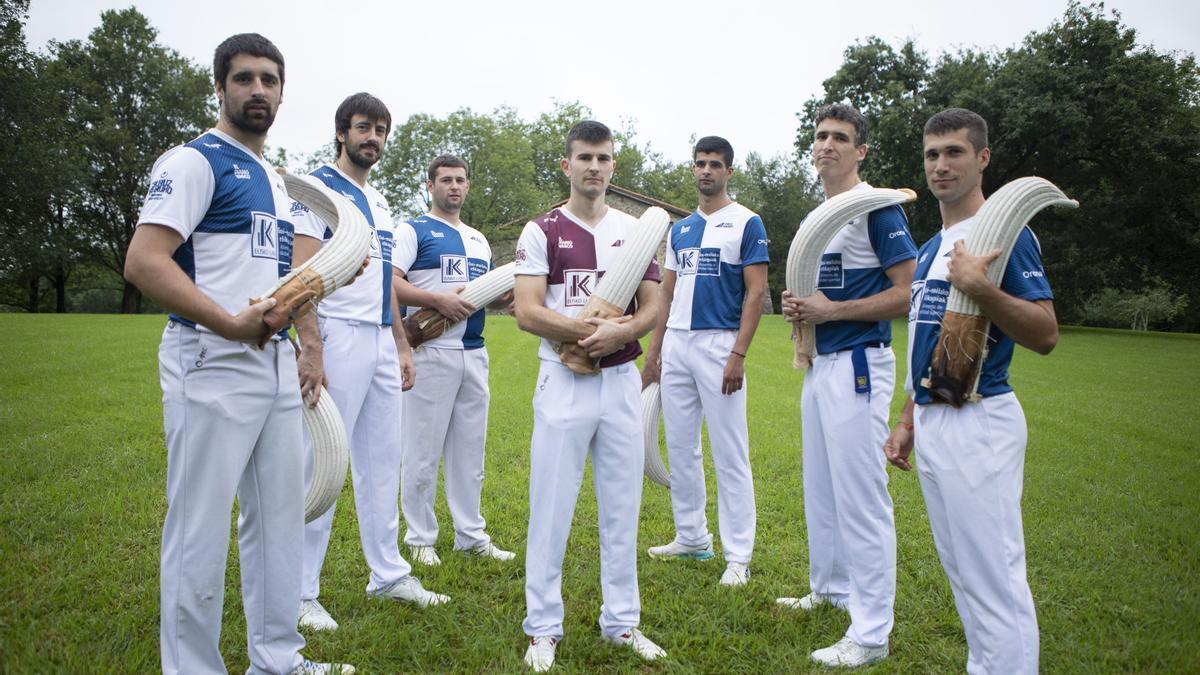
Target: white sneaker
x,y
540,655
849,654
638,642
313,668
314,617
811,602
490,550
678,551
424,555
409,589
736,574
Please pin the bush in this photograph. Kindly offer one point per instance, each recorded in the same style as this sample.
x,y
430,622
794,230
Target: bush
x,y
1154,307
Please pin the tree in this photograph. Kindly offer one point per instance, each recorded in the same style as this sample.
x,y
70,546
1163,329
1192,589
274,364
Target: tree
x,y
129,98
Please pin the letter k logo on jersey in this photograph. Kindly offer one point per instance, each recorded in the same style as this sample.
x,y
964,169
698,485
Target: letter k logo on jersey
x,y
454,269
578,286
262,236
687,259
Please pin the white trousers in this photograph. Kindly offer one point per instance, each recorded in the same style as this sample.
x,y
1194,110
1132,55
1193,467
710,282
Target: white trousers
x,y
232,421
445,416
575,416
971,462
847,508
693,368
364,381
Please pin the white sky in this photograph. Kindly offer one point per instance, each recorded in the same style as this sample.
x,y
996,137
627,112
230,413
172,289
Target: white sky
x,y
738,69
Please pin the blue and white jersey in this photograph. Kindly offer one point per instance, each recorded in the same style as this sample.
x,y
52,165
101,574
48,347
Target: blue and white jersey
x,y
439,257
1023,278
707,254
369,298
231,209
853,267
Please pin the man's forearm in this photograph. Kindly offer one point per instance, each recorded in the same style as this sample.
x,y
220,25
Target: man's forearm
x,y
1031,324
883,306
403,291
161,279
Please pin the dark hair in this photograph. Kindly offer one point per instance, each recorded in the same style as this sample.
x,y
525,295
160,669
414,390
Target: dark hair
x,y
588,131
451,161
361,103
251,44
953,119
715,144
844,113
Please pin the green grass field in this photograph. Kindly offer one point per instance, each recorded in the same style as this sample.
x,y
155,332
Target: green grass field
x,y
1111,510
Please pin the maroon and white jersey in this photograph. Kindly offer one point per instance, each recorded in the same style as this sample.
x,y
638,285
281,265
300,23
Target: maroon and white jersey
x,y
573,257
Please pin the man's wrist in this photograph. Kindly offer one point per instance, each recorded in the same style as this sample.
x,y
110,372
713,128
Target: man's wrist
x,y
737,353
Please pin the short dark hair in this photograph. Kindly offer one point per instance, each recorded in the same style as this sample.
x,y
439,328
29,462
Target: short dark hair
x,y
953,119
715,144
361,103
449,161
588,131
251,44
844,113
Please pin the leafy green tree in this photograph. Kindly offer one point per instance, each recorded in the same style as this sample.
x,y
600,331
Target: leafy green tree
x,y
129,98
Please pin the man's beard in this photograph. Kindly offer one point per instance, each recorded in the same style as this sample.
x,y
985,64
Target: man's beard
x,y
361,161
709,190
447,206
252,125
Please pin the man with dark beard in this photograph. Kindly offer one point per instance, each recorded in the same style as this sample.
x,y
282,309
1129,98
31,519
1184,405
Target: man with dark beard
x,y
369,364
445,416
214,228
714,279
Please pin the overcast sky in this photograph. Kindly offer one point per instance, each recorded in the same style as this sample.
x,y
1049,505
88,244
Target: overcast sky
x,y
739,69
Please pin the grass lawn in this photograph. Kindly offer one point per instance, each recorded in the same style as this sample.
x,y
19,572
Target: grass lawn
x,y
1112,523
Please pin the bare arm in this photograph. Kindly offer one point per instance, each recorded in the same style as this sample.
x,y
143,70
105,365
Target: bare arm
x,y
755,279
149,266
1030,323
449,305
533,316
652,367
408,372
613,334
311,364
883,306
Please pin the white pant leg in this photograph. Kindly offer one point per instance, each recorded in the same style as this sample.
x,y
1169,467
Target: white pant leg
x,y
427,410
827,571
729,438
466,438
271,526
977,455
617,459
348,357
682,414
375,464
855,427
217,399
566,410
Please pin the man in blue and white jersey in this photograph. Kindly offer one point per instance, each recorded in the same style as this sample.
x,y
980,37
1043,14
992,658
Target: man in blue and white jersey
x,y
446,412
713,285
973,457
863,283
214,228
357,343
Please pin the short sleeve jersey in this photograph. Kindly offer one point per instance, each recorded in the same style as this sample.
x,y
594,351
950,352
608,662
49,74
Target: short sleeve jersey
x,y
439,257
369,298
573,257
232,211
1024,278
854,266
707,254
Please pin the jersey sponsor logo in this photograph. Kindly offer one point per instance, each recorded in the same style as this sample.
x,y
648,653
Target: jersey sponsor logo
x,y
764,242
381,205
298,208
705,262
684,229
929,301
437,234
212,145
454,269
240,173
326,174
1033,274
264,240
897,233
922,258
618,242
831,274
565,243
160,188
578,286
347,195
375,249
520,255
723,225
686,260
